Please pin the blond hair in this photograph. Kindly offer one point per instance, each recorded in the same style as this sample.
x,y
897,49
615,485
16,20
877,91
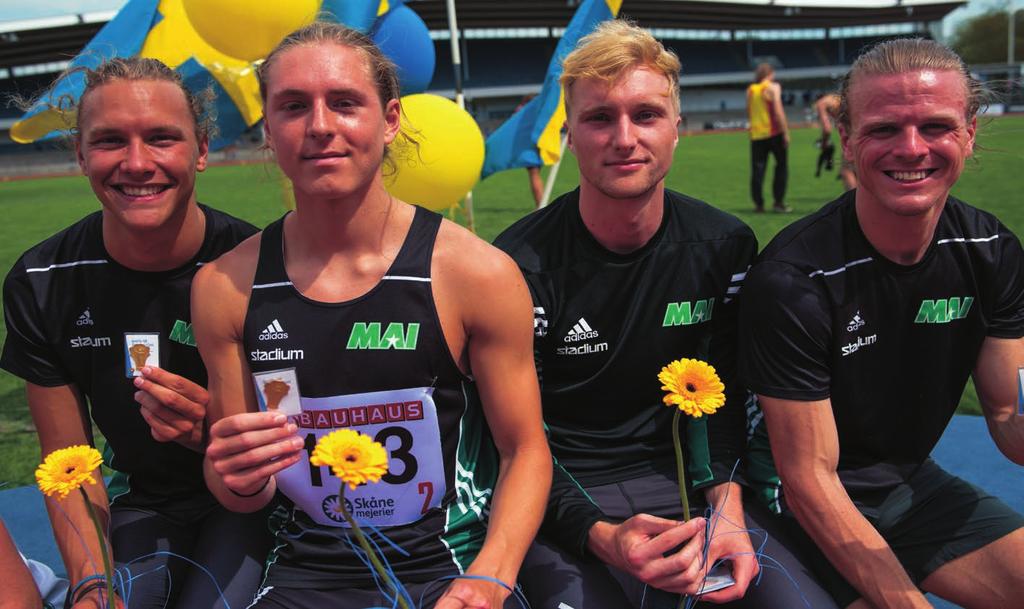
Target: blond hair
x,y
200,103
382,70
611,49
910,55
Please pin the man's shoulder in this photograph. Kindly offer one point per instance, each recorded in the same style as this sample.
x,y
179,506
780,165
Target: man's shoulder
x,y
78,244
535,237
226,231
460,251
693,219
962,221
815,239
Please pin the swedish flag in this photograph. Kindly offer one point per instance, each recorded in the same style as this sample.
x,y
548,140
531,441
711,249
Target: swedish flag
x,y
160,29
530,137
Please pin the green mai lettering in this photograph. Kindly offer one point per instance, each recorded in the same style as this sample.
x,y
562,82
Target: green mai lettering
x,y
943,310
182,333
364,336
685,314
395,336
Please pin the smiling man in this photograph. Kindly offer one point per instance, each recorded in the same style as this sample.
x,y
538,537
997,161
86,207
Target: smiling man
x,y
98,326
627,276
860,326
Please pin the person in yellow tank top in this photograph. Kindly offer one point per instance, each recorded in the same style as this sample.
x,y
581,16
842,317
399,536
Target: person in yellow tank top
x,y
769,134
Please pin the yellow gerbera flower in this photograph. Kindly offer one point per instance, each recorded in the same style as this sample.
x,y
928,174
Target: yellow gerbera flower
x,y
352,456
692,386
67,469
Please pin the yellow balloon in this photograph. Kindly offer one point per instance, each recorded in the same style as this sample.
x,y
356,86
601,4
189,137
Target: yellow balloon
x,y
449,159
248,29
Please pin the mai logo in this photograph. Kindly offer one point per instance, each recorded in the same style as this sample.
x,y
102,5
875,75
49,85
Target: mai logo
x,y
395,336
182,333
686,313
943,310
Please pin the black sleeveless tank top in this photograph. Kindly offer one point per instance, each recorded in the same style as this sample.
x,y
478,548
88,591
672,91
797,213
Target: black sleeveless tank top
x,y
378,364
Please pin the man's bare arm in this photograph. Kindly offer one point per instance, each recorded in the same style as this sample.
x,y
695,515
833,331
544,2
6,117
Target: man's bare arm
x,y
805,446
20,589
774,93
246,447
822,107
61,421
996,379
498,321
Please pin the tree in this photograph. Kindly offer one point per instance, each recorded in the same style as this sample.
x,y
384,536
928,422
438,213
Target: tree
x,y
982,39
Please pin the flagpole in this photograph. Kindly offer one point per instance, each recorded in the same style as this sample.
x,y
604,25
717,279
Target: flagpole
x,y
550,184
453,29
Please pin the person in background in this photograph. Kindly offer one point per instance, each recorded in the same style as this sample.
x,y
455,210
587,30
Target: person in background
x,y
769,135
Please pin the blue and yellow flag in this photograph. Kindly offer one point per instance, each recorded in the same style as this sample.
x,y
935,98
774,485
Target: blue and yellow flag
x,y
530,137
161,29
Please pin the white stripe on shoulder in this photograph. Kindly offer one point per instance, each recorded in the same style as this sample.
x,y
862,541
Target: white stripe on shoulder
x,y
64,265
966,240
279,284
739,276
840,269
405,278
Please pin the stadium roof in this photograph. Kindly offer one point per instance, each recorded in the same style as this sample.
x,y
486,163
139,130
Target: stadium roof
x,y
55,39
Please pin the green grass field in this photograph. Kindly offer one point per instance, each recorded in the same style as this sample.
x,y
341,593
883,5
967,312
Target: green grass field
x,y
713,167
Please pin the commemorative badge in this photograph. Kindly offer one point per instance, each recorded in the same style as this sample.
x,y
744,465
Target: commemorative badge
x,y
278,391
141,349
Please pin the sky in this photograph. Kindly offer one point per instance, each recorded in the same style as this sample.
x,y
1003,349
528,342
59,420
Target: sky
x,y
11,10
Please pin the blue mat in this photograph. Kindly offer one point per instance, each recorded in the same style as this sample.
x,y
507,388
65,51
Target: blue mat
x,y
965,450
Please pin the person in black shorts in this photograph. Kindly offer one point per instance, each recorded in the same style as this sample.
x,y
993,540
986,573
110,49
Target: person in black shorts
x,y
98,319
627,276
860,325
377,316
827,108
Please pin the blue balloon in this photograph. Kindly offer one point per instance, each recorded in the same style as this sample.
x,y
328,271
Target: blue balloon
x,y
404,38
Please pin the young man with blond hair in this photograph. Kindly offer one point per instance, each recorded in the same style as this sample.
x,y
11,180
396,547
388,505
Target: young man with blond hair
x,y
627,276
861,324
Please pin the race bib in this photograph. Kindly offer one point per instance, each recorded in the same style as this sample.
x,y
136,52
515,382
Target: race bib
x,y
405,422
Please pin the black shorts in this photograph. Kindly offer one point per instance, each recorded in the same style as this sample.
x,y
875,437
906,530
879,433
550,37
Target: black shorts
x,y
552,577
422,595
187,554
931,519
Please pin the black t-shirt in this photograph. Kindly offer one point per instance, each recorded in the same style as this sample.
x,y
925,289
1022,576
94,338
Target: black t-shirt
x,y
68,306
606,323
826,316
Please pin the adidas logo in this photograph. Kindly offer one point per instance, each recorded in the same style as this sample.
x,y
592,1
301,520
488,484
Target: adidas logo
x,y
273,332
540,322
85,319
856,323
581,331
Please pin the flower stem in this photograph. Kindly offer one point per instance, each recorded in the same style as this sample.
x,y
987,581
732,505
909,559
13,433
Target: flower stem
x,y
681,473
680,468
365,545
107,571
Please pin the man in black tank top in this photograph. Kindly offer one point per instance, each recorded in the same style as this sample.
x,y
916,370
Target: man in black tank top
x,y
860,327
627,276
370,314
